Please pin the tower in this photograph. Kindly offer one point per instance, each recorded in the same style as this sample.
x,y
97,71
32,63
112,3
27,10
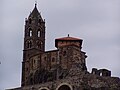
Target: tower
x,y
34,40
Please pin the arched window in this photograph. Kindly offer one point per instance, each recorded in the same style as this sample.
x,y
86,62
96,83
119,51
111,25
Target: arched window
x,y
39,33
28,44
64,87
39,44
101,74
30,32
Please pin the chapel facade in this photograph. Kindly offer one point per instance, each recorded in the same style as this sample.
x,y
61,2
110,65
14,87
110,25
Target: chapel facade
x,y
61,69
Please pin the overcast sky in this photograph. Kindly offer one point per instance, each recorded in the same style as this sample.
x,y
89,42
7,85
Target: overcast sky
x,y
97,22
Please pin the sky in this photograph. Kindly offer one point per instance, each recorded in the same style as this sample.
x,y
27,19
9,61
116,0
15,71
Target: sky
x,y
97,22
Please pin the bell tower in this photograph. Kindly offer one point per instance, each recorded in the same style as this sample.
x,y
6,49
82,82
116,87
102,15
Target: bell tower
x,y
34,40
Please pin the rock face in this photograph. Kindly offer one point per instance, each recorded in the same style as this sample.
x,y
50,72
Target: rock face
x,y
61,69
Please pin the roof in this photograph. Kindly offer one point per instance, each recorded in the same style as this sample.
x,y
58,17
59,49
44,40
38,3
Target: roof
x,y
35,12
69,39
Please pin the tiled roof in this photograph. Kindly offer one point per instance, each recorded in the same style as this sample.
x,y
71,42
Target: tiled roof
x,y
68,38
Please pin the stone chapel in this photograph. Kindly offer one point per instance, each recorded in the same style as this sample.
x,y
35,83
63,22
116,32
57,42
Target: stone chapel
x,y
61,69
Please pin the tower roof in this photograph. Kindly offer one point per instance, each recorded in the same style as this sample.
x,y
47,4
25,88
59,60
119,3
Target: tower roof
x,y
35,12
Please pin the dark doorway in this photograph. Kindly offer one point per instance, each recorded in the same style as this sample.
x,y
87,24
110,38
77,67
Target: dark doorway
x,y
64,87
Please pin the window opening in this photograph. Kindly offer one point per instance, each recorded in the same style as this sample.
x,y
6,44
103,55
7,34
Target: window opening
x,y
39,33
64,87
100,74
30,33
39,44
28,44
